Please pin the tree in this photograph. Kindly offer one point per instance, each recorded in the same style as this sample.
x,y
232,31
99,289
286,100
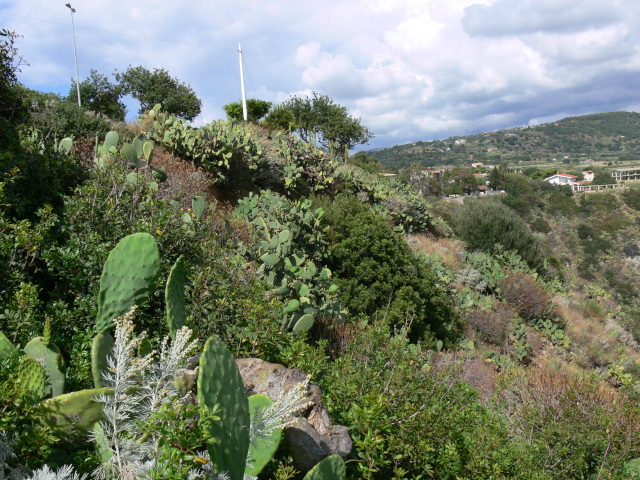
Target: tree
x,y
486,224
320,120
602,177
12,106
150,88
279,117
256,109
99,95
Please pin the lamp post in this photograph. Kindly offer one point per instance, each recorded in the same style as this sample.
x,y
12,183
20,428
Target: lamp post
x,y
75,55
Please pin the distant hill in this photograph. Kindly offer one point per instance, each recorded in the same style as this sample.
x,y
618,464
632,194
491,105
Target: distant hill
x,y
607,137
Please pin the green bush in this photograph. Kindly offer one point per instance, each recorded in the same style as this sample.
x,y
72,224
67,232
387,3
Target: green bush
x,y
486,224
377,273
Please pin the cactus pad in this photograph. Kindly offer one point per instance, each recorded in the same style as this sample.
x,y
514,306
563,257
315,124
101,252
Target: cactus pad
x,y
331,468
198,205
128,278
32,380
219,382
174,298
6,347
100,350
111,140
72,416
265,448
49,356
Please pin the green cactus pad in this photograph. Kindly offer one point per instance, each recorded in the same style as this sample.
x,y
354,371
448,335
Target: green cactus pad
x,y
72,416
219,382
174,297
147,149
304,324
198,205
138,143
134,178
100,350
111,140
49,356
159,175
6,347
128,278
65,146
265,448
32,380
331,468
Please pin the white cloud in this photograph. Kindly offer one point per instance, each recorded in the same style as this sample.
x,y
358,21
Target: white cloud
x,y
411,69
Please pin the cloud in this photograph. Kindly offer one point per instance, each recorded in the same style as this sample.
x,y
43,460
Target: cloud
x,y
411,69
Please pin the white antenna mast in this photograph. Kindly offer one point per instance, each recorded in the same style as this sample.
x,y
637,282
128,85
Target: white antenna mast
x,y
244,96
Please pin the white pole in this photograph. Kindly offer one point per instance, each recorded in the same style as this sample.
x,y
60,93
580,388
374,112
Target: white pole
x,y
244,96
75,55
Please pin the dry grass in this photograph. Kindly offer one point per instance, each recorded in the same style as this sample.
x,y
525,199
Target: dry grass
x,y
338,335
597,347
447,248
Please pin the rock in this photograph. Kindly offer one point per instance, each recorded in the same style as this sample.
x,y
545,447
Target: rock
x,y
314,437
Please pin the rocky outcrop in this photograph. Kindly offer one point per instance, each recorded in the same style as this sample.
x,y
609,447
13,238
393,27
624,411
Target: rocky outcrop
x,y
313,437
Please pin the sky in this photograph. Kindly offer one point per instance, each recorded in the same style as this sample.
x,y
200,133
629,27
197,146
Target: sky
x,y
410,70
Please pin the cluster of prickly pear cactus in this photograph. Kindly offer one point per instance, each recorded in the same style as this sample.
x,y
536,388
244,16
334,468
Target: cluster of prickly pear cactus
x,y
64,146
137,155
212,146
288,243
220,383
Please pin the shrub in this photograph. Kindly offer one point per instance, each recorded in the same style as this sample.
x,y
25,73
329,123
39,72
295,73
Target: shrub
x,y
376,271
523,293
579,427
486,224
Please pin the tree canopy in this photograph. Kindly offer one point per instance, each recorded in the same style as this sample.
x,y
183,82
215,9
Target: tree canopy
x,y
319,119
157,86
256,109
99,95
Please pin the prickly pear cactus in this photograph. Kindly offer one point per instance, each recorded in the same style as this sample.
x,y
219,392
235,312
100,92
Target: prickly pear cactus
x,y
100,350
71,416
219,382
111,140
128,278
6,347
264,448
31,378
128,154
331,468
174,297
49,356
198,205
65,146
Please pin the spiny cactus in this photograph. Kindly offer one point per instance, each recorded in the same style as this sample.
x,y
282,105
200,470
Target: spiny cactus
x,y
174,297
31,378
331,468
220,383
100,350
49,356
198,205
128,278
71,416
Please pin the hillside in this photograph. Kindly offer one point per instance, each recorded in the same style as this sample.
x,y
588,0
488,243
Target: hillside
x,y
607,137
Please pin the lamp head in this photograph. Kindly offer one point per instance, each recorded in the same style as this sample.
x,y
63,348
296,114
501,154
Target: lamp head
x,y
68,5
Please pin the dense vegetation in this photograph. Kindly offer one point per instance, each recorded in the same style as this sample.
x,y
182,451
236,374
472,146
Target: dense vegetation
x,y
489,339
602,137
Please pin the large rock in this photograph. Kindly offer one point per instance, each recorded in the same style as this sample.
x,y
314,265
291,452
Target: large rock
x,y
313,438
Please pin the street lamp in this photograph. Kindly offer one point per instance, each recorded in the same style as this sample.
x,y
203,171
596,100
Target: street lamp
x,y
75,55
